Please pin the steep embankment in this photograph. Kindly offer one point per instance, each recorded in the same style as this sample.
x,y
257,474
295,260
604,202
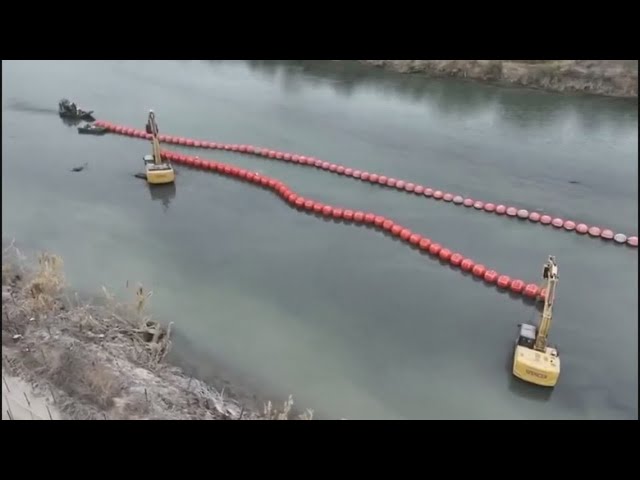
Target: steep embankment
x,y
63,358
617,78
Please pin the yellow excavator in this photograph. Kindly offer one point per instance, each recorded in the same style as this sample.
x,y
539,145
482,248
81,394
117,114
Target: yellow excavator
x,y
534,361
157,170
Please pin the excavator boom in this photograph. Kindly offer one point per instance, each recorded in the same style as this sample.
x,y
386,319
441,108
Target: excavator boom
x,y
551,276
158,170
153,126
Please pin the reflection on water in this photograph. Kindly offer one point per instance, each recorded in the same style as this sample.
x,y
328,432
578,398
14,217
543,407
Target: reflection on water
x,y
162,193
452,96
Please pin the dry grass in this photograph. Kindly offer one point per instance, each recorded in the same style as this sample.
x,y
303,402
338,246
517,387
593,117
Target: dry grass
x,y
101,361
603,77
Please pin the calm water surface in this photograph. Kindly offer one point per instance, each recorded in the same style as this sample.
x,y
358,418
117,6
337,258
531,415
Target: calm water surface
x,y
349,321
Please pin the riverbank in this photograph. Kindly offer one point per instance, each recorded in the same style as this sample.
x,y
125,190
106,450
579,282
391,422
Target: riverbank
x,y
616,78
63,358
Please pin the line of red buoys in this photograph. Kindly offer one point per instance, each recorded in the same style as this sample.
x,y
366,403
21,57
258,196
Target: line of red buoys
x,y
512,212
421,242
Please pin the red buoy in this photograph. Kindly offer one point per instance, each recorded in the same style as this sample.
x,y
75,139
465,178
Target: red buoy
x,y
478,205
348,215
317,207
501,209
340,170
373,178
428,192
424,244
489,207
581,228
387,224
396,229
382,180
490,276
356,173
333,167
517,286
456,259
503,281
633,241
458,199
327,211
369,218
299,202
534,217
419,190
391,182
478,270
409,187
358,216
545,219
414,239
569,225
438,194
405,234
531,290
467,264
348,171
594,231
557,222
512,211
445,254
447,197
607,234
468,202
378,220
364,176
400,184
337,213
434,248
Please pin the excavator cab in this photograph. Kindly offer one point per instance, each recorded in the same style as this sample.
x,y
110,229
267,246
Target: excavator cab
x,y
527,337
534,361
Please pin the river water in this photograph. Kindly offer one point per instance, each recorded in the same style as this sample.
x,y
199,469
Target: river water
x,y
350,322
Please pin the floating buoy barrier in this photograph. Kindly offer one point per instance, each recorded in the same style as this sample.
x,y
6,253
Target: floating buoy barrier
x,y
416,240
384,181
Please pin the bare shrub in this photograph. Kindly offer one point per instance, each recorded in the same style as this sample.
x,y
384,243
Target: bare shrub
x,y
104,360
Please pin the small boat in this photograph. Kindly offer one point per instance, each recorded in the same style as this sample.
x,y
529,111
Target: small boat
x,y
92,129
67,109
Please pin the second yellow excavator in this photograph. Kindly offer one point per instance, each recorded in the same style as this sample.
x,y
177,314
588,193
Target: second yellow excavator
x,y
534,361
157,170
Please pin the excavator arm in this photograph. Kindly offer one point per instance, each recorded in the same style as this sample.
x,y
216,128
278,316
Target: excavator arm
x,y
550,274
153,127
